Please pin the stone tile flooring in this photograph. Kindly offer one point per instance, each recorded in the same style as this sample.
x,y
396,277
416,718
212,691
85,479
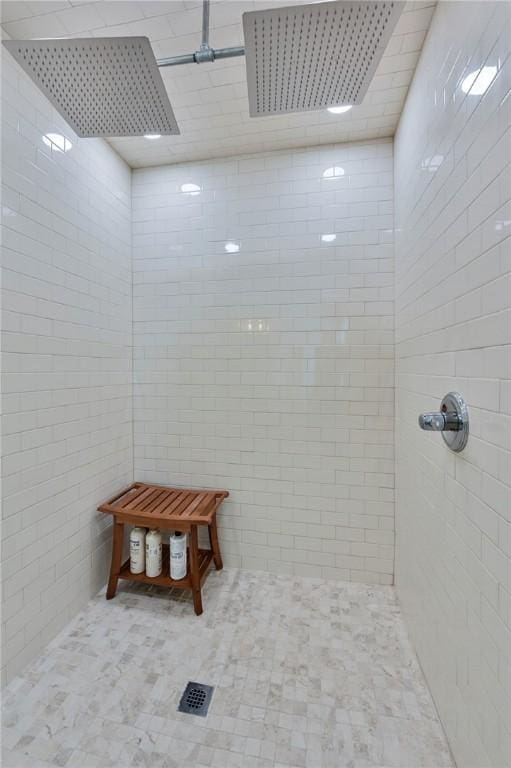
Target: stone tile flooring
x,y
307,674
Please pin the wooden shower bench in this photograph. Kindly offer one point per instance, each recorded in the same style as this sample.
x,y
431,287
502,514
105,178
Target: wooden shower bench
x,y
172,509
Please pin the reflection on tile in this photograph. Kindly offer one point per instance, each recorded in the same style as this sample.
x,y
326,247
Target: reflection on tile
x,y
308,674
453,206
263,352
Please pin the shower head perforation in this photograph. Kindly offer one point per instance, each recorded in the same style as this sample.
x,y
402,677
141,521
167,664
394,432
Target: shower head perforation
x,y
314,56
108,86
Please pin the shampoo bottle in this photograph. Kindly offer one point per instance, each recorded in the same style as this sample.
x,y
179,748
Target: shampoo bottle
x,y
153,553
177,542
137,550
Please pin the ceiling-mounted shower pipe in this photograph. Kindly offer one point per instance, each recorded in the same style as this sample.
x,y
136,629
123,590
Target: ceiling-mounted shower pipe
x,y
205,52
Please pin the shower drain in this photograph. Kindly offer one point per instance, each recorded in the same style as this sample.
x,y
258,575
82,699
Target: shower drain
x,y
196,699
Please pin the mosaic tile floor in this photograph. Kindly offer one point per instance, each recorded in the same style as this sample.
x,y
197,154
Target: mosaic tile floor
x,y
307,674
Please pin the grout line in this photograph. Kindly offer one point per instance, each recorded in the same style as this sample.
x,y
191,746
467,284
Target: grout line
x,y
132,336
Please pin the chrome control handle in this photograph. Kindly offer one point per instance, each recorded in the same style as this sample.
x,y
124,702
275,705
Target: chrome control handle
x,y
439,422
451,421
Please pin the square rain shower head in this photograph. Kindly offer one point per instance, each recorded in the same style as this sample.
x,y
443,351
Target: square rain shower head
x,y
102,86
306,57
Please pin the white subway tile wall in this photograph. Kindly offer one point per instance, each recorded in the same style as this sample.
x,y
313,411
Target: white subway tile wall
x,y
66,364
263,342
453,317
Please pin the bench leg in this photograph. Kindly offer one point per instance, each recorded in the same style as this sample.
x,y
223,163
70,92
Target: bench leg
x,y
194,570
115,566
213,542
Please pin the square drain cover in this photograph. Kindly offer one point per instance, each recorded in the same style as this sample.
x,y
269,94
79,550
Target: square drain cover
x,y
196,699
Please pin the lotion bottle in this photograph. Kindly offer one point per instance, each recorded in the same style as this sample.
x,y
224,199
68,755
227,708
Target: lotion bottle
x,y
177,546
153,553
137,550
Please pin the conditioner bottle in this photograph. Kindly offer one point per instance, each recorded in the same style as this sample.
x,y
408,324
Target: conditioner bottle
x,y
153,553
137,550
177,548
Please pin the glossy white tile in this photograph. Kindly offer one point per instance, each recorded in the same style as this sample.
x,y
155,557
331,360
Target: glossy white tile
x,y
453,332
263,353
66,364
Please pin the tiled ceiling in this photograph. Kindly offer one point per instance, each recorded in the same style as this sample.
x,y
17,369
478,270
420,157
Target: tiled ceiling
x,y
210,100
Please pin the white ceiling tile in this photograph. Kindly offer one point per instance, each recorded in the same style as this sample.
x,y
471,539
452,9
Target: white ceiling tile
x,y
413,41
225,76
119,30
161,7
35,26
394,45
414,19
401,62
46,6
119,12
185,23
210,100
81,18
155,28
223,37
402,78
13,11
174,46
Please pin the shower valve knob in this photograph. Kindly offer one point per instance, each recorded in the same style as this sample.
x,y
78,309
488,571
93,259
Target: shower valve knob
x,y
451,421
433,422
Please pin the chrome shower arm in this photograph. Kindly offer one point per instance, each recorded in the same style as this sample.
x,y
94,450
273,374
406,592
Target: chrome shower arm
x,y
229,53
205,52
205,24
198,58
174,61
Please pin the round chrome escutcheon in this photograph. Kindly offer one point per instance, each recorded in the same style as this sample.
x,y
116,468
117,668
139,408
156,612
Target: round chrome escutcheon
x,y
456,440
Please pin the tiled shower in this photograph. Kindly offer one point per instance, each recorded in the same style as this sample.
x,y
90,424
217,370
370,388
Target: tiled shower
x,y
266,314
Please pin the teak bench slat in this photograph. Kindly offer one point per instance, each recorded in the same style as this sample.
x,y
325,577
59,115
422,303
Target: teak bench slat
x,y
158,506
